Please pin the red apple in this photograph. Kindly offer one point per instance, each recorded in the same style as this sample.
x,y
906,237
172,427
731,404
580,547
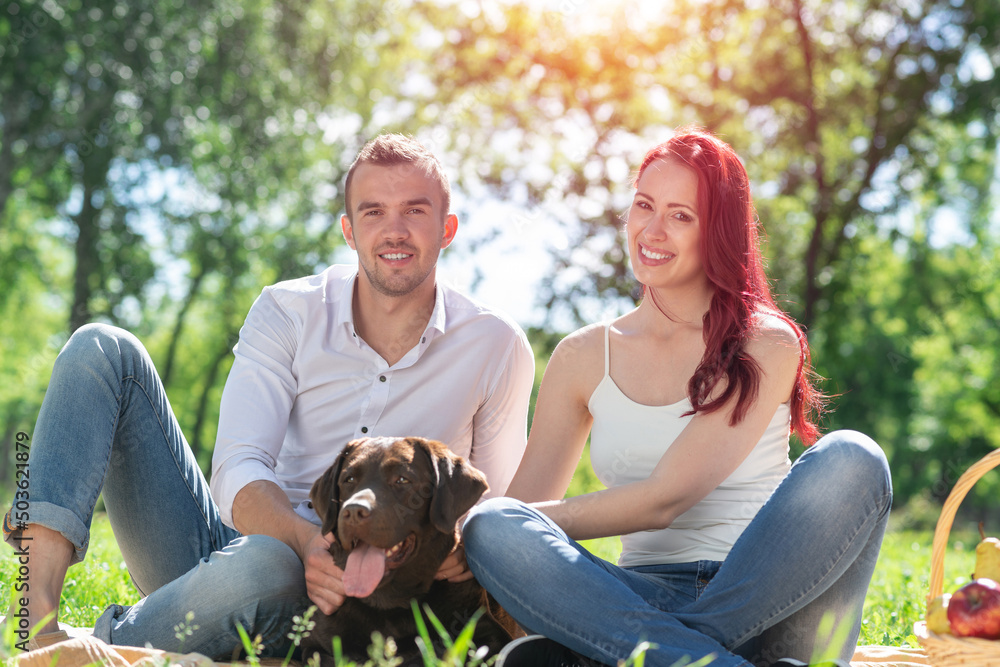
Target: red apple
x,y
974,610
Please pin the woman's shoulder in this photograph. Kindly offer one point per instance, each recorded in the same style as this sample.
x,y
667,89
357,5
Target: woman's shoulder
x,y
775,339
579,357
587,340
774,323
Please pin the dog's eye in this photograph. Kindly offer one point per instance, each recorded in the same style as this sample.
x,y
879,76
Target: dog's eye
x,y
402,480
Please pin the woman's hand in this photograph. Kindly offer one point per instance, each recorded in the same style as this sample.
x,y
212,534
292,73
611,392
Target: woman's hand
x,y
455,568
702,456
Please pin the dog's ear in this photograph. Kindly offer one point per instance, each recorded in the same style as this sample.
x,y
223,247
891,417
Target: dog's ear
x,y
325,492
457,484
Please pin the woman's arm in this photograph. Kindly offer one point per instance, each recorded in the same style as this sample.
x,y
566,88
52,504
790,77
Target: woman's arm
x,y
562,420
707,451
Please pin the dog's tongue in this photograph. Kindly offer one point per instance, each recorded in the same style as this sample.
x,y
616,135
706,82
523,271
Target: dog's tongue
x,y
364,570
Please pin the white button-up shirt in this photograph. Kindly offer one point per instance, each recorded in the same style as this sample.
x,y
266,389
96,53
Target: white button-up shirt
x,y
303,384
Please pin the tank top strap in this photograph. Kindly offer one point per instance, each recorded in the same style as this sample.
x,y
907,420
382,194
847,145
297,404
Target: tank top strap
x,y
607,349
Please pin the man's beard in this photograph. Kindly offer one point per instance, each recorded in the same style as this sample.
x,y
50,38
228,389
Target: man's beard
x,y
393,286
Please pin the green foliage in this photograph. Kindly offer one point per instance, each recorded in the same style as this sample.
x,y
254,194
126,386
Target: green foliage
x,y
458,651
826,102
302,626
869,132
160,164
909,360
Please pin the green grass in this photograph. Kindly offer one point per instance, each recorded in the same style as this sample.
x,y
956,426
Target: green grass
x,y
898,591
100,580
895,600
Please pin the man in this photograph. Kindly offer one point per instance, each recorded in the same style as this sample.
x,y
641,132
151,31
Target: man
x,y
378,349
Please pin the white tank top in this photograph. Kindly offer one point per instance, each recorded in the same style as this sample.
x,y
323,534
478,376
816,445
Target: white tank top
x,y
628,439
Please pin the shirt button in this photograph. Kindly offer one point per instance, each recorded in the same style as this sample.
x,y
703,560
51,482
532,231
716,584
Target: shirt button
x,y
364,429
381,378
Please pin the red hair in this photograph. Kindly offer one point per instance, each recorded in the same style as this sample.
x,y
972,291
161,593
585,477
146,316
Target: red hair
x,y
730,253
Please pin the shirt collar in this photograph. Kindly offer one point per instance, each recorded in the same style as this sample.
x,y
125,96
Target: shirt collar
x,y
345,310
439,316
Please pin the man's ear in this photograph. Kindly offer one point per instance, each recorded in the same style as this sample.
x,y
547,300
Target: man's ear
x,y
348,230
450,229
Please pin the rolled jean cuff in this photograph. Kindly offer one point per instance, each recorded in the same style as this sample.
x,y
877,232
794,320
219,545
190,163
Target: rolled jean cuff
x,y
104,623
9,528
54,518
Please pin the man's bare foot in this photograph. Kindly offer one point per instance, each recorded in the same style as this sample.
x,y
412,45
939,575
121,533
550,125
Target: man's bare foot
x,y
43,556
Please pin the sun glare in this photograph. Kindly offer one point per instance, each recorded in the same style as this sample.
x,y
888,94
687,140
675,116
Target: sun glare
x,y
582,15
594,15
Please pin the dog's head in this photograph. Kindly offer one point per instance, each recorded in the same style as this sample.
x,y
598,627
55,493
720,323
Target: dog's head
x,y
392,505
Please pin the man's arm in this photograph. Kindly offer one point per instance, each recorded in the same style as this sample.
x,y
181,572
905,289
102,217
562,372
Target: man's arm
x,y
500,426
262,508
499,435
256,404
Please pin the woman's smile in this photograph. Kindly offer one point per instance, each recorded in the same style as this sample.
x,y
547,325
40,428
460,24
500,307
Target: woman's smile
x,y
651,256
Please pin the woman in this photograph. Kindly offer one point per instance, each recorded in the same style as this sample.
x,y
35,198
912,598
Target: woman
x,y
689,400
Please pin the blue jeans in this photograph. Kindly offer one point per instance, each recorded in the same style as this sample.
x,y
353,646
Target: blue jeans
x,y
106,425
810,550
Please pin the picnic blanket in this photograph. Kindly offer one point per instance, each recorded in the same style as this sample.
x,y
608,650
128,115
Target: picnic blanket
x,y
883,656
88,650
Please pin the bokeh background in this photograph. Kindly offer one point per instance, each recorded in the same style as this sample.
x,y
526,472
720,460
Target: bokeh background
x,y
163,160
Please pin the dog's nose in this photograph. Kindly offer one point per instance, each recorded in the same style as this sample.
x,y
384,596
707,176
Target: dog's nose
x,y
358,507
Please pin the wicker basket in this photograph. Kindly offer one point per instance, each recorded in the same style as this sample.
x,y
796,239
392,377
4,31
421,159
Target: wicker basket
x,y
946,650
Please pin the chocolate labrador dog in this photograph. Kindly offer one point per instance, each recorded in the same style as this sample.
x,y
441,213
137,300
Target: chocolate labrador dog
x,y
392,505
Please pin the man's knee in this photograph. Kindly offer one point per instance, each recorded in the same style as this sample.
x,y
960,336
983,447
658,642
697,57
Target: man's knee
x,y
268,564
97,341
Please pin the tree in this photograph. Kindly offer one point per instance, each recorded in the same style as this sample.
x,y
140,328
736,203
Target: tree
x,y
161,162
861,123
840,110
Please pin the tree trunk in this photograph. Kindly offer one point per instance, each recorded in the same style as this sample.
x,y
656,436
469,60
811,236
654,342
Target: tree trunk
x,y
175,338
87,270
213,373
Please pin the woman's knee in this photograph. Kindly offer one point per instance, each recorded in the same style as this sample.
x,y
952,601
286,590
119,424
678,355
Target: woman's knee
x,y
489,523
857,459
852,449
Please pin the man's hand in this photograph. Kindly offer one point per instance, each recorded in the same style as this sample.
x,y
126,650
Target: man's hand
x,y
262,508
455,568
324,580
